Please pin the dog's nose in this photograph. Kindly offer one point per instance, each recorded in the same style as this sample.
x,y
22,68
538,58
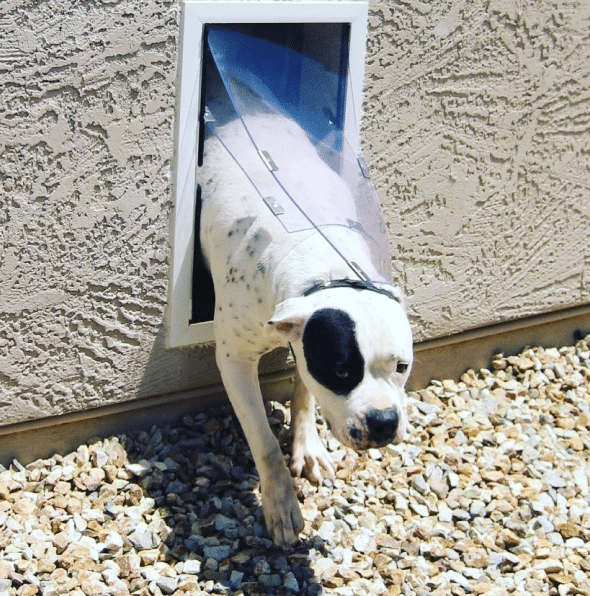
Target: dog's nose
x,y
381,425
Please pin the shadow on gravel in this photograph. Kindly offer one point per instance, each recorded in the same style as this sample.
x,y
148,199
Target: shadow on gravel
x,y
202,478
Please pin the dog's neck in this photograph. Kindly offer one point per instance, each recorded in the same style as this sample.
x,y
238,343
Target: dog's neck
x,y
356,284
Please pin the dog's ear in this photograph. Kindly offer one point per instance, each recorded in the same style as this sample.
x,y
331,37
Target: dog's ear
x,y
289,319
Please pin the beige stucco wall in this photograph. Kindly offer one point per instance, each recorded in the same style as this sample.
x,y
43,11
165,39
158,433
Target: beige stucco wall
x,y
478,132
477,128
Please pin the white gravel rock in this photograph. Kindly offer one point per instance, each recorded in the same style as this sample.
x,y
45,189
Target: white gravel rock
x,y
489,495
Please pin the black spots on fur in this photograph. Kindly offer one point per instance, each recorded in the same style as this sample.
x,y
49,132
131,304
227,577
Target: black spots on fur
x,y
257,243
261,268
233,276
255,239
332,352
241,226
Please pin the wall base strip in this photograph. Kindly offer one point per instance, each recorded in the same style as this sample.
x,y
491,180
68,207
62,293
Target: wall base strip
x,y
28,441
449,357
442,358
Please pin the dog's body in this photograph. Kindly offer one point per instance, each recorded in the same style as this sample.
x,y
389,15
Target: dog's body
x,y
353,347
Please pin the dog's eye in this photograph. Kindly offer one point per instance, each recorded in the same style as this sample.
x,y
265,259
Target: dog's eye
x,y
402,367
341,372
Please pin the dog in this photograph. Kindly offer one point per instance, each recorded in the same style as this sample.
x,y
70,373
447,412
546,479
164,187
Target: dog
x,y
352,345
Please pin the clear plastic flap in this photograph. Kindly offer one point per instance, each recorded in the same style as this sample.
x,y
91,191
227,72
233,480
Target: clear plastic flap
x,y
296,156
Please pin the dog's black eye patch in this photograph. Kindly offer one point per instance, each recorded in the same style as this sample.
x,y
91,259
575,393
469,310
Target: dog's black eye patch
x,y
331,351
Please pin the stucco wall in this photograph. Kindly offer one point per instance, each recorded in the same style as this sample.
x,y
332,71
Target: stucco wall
x,y
476,127
478,132
86,114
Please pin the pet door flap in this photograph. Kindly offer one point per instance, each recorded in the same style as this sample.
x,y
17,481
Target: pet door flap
x,y
288,136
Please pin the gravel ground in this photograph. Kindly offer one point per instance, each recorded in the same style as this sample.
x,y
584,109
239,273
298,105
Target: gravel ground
x,y
489,495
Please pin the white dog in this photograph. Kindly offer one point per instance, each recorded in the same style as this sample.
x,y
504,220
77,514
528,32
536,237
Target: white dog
x,y
352,345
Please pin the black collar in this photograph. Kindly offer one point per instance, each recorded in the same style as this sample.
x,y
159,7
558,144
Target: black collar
x,y
356,284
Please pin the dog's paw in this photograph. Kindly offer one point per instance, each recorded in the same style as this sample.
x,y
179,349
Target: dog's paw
x,y
312,459
281,511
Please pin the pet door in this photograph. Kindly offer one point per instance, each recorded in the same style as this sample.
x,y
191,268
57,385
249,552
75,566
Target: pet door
x,y
300,61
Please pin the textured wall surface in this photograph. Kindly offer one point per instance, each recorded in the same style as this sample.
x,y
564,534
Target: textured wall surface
x,y
86,136
477,127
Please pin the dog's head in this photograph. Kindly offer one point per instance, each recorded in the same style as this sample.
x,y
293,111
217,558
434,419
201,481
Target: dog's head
x,y
355,358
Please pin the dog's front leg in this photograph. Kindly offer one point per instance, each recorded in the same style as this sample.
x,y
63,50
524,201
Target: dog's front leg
x,y
309,454
281,509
